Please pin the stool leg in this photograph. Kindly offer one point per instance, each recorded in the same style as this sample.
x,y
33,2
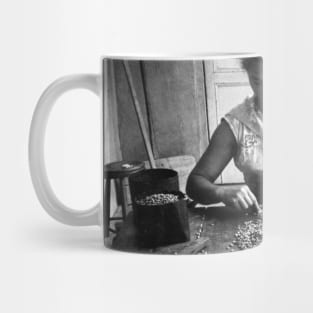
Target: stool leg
x,y
106,207
117,186
124,196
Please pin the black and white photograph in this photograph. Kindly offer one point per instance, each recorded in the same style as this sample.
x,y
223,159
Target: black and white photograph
x,y
185,170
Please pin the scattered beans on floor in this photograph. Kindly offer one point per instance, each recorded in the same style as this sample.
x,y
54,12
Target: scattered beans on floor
x,y
248,235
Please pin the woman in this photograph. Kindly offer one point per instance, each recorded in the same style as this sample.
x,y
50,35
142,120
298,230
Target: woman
x,y
239,136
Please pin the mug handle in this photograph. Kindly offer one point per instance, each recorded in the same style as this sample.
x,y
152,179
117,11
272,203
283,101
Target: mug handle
x,y
45,194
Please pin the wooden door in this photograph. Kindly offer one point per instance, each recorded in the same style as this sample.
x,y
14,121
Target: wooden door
x,y
227,86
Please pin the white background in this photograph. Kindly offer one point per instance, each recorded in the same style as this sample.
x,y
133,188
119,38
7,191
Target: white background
x,y
50,267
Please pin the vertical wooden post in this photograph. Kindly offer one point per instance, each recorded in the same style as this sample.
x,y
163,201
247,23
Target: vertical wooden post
x,y
139,115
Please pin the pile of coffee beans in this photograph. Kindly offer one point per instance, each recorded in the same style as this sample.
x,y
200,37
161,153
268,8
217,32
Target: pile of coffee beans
x,y
248,235
157,199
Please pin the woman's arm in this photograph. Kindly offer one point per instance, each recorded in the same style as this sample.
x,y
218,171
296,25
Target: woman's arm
x,y
222,147
200,184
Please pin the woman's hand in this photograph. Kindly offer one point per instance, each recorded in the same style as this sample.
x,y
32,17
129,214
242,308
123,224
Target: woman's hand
x,y
240,197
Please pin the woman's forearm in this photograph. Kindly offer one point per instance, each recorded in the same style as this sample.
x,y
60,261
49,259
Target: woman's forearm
x,y
200,184
201,190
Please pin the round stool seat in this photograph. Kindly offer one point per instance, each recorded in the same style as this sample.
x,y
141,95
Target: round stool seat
x,y
122,169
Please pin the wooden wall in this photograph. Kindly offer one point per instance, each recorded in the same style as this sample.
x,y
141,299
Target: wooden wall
x,y
173,100
182,104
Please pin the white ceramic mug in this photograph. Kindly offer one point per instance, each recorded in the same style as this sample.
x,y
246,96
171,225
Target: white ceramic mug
x,y
182,152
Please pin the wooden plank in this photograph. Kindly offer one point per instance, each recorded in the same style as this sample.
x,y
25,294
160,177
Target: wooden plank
x,y
132,145
111,147
201,101
190,247
115,144
141,122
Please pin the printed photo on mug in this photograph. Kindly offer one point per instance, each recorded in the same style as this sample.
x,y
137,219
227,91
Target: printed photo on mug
x,y
182,154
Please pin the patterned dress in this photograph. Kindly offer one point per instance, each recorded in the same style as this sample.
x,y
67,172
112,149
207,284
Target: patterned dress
x,y
246,124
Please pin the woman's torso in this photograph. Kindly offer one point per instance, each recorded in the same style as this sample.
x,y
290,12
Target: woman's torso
x,y
247,126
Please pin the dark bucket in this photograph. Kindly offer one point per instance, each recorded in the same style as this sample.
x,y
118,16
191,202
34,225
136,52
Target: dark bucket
x,y
161,225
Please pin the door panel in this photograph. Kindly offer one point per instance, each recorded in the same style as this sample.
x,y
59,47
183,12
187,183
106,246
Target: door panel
x,y
228,65
227,86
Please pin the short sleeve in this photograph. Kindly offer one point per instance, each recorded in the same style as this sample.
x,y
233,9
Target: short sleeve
x,y
234,125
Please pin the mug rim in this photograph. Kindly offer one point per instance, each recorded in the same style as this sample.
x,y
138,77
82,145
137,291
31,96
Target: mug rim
x,y
183,56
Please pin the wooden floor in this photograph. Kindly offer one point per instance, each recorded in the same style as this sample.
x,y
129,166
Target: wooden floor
x,y
216,225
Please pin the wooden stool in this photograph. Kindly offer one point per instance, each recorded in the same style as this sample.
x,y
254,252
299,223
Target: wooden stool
x,y
119,171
